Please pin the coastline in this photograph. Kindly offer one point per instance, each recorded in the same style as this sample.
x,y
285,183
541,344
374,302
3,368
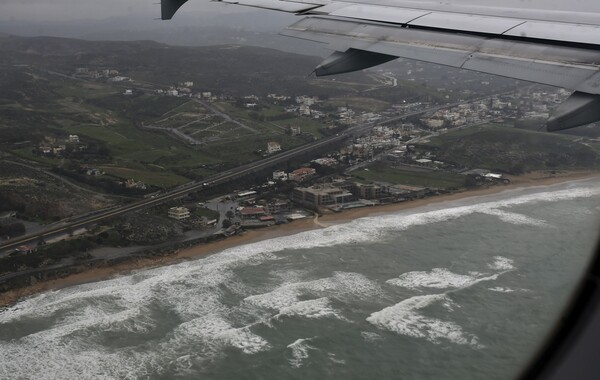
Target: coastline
x,y
99,273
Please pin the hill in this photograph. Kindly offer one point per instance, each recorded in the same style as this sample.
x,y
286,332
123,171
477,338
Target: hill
x,y
225,68
512,150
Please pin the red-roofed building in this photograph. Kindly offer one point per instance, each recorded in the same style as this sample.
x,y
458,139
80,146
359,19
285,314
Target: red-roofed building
x,y
252,212
302,174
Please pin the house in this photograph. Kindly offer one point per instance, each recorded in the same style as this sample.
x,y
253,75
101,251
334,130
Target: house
x,y
280,175
93,172
179,213
273,147
128,92
73,138
295,130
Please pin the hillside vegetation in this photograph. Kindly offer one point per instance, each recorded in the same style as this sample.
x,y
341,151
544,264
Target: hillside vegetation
x,y
512,150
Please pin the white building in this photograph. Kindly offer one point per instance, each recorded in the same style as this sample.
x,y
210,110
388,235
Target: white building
x,y
273,147
179,213
73,138
280,175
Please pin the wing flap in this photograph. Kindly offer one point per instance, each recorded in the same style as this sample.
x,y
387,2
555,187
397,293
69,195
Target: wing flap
x,y
379,13
467,23
276,5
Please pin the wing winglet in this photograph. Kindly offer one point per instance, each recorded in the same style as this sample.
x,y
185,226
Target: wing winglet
x,y
579,109
168,8
350,60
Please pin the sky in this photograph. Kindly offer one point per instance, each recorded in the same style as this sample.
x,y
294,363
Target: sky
x,y
66,10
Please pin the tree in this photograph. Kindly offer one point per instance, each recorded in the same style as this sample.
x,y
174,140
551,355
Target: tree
x,y
227,223
229,214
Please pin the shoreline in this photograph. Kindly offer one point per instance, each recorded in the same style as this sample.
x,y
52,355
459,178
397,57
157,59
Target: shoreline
x,y
105,272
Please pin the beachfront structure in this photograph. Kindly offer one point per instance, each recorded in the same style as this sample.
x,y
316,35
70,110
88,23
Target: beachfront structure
x,y
315,197
252,213
278,206
179,213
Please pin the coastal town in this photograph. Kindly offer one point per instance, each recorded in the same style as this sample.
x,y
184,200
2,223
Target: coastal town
x,y
134,168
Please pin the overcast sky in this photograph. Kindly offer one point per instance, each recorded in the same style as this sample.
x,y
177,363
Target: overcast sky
x,y
64,10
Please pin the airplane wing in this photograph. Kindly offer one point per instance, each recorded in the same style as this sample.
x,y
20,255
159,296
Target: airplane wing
x,y
557,48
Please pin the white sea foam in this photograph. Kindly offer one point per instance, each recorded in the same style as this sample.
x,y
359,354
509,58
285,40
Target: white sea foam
x,y
313,309
287,298
439,278
299,351
515,218
502,263
334,359
501,289
404,319
436,278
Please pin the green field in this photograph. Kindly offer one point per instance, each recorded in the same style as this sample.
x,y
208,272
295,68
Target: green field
x,y
408,176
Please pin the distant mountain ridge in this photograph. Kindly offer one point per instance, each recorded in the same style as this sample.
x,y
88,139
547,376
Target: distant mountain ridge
x,y
188,29
222,68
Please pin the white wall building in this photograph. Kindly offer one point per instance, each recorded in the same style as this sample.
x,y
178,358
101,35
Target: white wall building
x,y
273,147
179,213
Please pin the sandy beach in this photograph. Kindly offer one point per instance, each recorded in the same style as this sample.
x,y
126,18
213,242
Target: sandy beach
x,y
106,272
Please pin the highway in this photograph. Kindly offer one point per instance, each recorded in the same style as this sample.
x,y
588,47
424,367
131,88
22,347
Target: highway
x,y
178,192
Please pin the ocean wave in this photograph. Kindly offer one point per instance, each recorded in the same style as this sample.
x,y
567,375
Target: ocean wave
x,y
515,218
288,299
312,309
439,278
299,350
370,336
403,318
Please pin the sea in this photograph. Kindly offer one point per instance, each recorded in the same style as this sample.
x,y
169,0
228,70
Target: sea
x,y
465,289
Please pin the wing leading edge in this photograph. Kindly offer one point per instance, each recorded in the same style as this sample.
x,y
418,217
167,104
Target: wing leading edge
x,y
555,48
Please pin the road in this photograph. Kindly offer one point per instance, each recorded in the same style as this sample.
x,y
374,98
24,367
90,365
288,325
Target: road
x,y
86,220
